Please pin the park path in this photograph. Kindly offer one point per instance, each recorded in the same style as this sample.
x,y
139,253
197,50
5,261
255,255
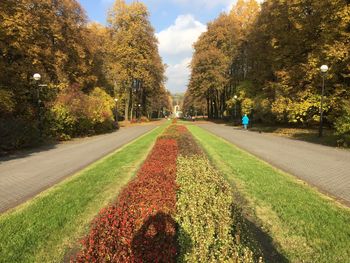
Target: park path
x,y
325,167
27,174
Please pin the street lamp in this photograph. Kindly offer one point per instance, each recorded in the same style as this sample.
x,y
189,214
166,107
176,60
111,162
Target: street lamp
x,y
139,110
37,77
213,110
235,97
324,70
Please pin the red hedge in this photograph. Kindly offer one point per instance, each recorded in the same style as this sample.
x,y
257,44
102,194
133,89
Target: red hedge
x,y
139,227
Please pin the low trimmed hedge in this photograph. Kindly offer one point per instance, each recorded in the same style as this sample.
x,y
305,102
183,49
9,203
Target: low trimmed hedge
x,y
140,226
204,205
186,144
177,209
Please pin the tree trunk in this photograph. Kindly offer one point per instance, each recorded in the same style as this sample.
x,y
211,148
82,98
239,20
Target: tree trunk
x,y
208,104
144,103
127,105
131,105
132,112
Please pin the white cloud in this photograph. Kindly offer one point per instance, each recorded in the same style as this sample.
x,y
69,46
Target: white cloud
x,y
176,48
178,75
179,37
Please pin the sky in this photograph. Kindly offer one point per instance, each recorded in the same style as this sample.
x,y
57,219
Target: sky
x,y
178,24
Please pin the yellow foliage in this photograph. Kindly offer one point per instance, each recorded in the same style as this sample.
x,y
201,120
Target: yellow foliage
x,y
7,104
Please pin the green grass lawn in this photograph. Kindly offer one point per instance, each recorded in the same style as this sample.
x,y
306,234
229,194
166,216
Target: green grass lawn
x,y
46,228
305,225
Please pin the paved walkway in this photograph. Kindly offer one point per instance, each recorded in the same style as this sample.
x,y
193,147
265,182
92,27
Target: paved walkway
x,y
324,167
24,176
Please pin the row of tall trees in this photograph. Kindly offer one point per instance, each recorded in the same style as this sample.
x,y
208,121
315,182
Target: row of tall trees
x,y
137,70
269,56
84,67
212,82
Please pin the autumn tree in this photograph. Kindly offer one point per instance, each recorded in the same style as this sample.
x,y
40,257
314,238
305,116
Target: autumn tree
x,y
160,103
193,104
210,66
288,44
219,62
98,43
47,37
137,69
277,50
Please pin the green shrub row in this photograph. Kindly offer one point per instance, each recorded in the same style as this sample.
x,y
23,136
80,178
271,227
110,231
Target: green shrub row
x,y
74,113
204,214
67,113
186,143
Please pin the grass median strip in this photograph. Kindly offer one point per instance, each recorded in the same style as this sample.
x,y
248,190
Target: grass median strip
x,y
43,229
307,226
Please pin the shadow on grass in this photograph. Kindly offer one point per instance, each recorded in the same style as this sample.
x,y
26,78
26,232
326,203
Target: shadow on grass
x,y
250,235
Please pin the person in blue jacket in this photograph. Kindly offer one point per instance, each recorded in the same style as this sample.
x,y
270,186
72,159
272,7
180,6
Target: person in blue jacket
x,y
245,121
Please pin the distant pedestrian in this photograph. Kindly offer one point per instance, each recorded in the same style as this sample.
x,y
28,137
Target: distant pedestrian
x,y
245,121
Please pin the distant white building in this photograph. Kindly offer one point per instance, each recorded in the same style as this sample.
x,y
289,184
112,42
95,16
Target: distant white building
x,y
177,102
177,111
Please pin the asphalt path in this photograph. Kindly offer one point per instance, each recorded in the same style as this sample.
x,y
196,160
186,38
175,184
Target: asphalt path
x,y
24,175
325,167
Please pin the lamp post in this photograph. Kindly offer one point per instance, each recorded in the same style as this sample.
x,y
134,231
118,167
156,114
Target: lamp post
x,y
235,97
37,78
137,88
324,69
139,110
213,109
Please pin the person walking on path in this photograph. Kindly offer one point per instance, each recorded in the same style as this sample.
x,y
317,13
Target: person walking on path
x,y
245,121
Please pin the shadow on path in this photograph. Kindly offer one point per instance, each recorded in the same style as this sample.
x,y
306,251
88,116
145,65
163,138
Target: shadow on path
x,y
300,133
28,152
